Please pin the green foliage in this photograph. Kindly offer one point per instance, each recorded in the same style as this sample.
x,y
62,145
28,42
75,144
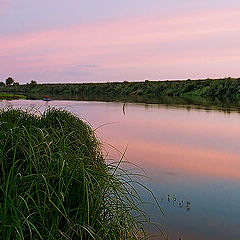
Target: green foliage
x,y
10,96
220,88
56,184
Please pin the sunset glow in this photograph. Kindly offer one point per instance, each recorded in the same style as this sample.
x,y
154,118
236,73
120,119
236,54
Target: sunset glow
x,y
146,45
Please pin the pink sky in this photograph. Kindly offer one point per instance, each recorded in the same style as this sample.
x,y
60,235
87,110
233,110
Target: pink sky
x,y
199,44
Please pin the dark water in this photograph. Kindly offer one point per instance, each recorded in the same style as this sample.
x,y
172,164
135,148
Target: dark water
x,y
191,156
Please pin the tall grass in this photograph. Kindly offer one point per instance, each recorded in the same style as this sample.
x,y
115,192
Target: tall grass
x,y
56,184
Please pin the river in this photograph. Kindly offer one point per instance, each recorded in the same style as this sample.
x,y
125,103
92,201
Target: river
x,y
191,157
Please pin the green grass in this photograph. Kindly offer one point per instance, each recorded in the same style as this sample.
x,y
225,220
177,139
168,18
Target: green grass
x,y
9,96
56,184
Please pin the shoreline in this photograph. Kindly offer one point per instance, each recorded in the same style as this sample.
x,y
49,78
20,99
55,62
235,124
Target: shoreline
x,y
210,88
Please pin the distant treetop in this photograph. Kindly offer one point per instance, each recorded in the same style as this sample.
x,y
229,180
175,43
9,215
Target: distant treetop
x,y
9,81
33,82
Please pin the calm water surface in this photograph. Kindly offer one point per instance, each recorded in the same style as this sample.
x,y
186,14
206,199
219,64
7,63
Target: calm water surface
x,y
192,159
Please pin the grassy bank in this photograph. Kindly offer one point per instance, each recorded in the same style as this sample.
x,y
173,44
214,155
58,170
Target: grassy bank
x,y
8,96
56,184
214,88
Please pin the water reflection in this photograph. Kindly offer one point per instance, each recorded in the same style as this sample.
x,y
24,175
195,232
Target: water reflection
x,y
124,105
188,103
191,157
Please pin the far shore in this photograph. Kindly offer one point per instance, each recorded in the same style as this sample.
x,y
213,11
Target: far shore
x,y
4,96
214,88
220,94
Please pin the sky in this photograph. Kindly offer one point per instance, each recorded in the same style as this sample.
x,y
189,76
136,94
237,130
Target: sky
x,y
117,40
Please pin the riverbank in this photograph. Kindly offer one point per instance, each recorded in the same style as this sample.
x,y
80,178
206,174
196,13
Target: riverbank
x,y
212,88
4,96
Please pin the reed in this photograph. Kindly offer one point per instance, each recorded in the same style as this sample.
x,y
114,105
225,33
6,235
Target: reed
x,y
55,182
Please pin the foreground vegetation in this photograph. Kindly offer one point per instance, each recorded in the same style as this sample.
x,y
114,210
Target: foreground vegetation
x,y
215,88
56,184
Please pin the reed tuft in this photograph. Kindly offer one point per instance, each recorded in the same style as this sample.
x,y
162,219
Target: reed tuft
x,y
56,184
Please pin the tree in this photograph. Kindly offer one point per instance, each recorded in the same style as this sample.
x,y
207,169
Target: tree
x,y
33,82
9,81
2,84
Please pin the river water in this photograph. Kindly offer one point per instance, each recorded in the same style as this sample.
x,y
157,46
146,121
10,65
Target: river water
x,y
191,157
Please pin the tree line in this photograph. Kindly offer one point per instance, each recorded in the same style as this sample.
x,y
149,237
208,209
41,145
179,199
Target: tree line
x,y
220,88
10,81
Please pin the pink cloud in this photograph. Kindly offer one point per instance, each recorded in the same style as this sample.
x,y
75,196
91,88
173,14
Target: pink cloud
x,y
126,43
